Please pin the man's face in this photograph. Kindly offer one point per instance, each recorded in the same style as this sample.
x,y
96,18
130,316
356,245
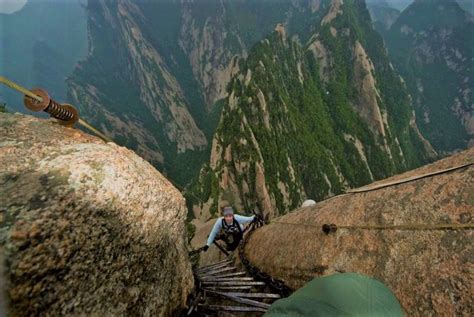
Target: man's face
x,y
229,219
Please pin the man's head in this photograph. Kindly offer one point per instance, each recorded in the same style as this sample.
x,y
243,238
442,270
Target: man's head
x,y
228,213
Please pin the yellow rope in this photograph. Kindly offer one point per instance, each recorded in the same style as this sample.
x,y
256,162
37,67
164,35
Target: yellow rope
x,y
28,93
451,226
407,180
17,87
97,132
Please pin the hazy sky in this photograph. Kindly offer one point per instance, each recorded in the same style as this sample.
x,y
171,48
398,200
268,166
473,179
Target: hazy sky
x,y
9,6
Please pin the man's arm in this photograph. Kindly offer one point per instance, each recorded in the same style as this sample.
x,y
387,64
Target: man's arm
x,y
217,227
243,219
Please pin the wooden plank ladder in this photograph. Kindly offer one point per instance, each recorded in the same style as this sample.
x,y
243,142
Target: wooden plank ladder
x,y
239,292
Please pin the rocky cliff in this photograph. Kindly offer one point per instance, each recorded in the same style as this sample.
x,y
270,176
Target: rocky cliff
x,y
86,228
382,14
311,120
428,270
126,88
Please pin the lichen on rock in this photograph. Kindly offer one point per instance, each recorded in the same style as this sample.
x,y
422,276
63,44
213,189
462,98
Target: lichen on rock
x,y
87,228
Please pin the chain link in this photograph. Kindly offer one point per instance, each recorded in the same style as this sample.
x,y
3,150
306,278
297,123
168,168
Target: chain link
x,y
277,285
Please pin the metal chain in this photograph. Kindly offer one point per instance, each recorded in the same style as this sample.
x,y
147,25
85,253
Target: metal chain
x,y
277,285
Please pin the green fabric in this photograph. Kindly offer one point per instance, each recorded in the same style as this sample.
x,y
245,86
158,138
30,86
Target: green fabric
x,y
345,294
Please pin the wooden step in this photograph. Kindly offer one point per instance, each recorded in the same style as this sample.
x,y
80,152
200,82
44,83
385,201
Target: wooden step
x,y
241,300
223,275
226,269
234,283
212,267
228,279
232,308
213,288
254,295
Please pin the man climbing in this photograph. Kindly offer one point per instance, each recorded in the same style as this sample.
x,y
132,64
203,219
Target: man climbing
x,y
229,228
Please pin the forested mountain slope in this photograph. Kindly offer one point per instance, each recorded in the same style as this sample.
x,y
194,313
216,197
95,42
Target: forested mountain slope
x,y
310,120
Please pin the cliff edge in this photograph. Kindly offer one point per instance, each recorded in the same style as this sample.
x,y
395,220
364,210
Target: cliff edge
x,y
86,228
430,271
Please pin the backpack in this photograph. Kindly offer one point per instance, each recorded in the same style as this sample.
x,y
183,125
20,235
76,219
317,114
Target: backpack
x,y
232,233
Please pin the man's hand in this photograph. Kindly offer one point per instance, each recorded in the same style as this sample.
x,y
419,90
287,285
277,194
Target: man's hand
x,y
258,220
204,248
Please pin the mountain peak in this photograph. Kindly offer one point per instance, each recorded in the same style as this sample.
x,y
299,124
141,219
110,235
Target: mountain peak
x,y
280,29
301,120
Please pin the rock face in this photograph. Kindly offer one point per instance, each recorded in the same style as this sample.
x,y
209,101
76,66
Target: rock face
x,y
86,227
428,270
134,96
205,43
331,112
382,14
161,93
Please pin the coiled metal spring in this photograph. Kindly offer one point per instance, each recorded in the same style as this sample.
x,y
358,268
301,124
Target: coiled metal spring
x,y
58,111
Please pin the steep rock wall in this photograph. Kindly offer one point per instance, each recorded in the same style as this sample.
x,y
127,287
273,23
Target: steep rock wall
x,y
86,228
428,270
134,97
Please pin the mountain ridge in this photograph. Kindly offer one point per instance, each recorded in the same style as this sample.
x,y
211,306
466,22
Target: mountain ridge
x,y
291,129
434,53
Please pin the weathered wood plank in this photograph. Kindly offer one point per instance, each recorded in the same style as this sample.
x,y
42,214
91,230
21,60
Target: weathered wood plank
x,y
227,288
194,303
232,308
241,300
213,264
223,275
217,271
236,283
228,279
221,248
254,295
212,267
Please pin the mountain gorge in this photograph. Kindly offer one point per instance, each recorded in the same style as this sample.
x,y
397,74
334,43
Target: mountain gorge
x,y
162,92
259,103
126,88
182,82
311,119
431,45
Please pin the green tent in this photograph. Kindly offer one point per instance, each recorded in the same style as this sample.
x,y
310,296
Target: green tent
x,y
344,294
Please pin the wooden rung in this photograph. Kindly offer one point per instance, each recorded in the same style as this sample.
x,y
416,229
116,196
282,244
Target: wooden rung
x,y
255,295
213,264
213,288
228,279
223,275
241,300
222,261
236,283
232,308
212,267
217,271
